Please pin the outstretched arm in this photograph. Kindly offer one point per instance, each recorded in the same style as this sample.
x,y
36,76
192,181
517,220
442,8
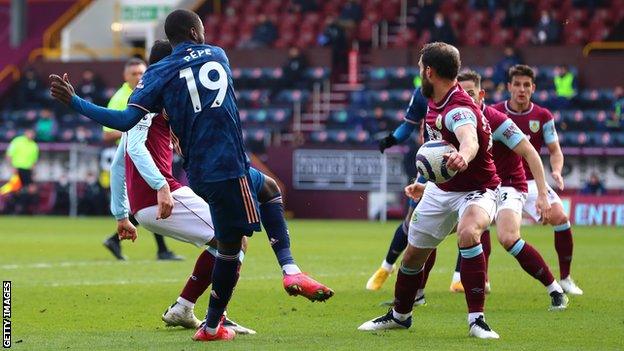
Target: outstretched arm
x,y
119,197
147,168
62,90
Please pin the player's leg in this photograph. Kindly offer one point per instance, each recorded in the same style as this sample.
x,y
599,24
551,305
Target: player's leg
x,y
235,215
476,211
272,217
562,231
397,245
163,253
432,215
456,284
508,224
564,246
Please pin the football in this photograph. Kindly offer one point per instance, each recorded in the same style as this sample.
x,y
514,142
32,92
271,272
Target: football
x,y
431,163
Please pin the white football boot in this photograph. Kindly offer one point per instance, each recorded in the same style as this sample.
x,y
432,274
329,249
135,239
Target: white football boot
x,y
480,329
179,315
569,286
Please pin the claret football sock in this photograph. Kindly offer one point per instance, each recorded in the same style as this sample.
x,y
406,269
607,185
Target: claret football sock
x,y
407,284
472,271
201,278
531,261
564,245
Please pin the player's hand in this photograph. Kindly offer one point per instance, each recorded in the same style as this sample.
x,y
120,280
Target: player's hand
x,y
126,230
556,176
61,89
165,202
455,161
415,191
387,142
543,208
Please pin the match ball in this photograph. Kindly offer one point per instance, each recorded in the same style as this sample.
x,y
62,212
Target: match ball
x,y
431,163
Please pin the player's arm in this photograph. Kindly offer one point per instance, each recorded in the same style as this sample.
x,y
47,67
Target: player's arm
x,y
556,155
119,195
463,122
528,152
143,161
416,112
63,91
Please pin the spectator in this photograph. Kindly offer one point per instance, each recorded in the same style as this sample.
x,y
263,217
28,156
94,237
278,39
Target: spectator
x,y
334,36
61,198
516,14
441,30
565,82
425,11
45,126
303,6
22,154
547,30
351,12
264,33
91,88
293,71
510,58
615,122
593,186
29,90
92,199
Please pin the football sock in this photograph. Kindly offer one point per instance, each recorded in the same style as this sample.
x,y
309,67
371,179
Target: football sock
x,y
427,268
472,272
531,261
564,246
473,316
224,278
272,216
487,249
554,286
201,277
407,284
160,242
398,244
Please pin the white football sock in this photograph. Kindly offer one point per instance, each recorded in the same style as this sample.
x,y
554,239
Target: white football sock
x,y
473,317
184,302
401,316
387,266
420,293
456,277
290,269
554,286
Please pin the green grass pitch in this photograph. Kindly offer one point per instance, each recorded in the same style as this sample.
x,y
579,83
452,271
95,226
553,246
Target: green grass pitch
x,y
68,292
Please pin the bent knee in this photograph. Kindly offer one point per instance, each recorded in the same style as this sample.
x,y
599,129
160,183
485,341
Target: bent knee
x,y
269,190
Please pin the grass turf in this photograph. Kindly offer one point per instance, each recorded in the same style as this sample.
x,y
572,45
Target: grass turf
x,y
68,292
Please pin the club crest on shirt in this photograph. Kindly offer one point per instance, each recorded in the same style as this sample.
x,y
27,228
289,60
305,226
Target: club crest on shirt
x,y
439,122
534,125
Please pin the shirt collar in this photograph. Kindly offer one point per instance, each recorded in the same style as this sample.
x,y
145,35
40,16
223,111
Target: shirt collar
x,y
520,113
446,98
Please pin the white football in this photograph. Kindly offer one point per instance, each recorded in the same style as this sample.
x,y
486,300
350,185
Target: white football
x,y
431,163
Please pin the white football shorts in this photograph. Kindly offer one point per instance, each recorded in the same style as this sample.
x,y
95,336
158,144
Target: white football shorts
x,y
529,205
190,219
510,198
438,212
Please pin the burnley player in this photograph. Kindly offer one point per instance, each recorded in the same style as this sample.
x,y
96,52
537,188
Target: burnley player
x,y
469,197
510,148
538,124
194,85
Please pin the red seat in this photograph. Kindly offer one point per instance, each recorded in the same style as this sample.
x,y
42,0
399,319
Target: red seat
x,y
501,37
365,30
524,37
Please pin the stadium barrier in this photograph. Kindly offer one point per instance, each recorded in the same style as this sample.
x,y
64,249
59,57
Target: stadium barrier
x,y
589,210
